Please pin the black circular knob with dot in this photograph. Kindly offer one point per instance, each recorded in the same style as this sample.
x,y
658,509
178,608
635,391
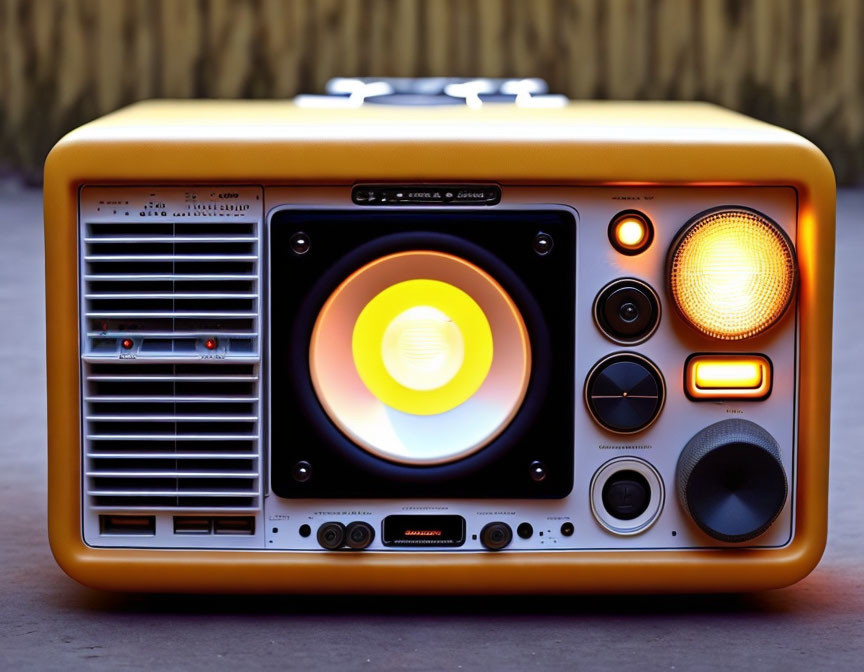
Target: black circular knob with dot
x,y
625,393
731,481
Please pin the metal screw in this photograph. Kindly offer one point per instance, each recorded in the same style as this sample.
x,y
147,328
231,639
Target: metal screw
x,y
538,471
302,471
300,243
543,244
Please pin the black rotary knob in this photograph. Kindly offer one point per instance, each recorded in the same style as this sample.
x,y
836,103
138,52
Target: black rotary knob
x,y
731,481
331,535
496,536
625,393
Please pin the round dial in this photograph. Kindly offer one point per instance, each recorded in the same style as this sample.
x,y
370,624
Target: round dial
x,y
625,393
731,481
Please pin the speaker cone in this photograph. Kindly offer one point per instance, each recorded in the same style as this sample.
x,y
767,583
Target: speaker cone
x,y
420,357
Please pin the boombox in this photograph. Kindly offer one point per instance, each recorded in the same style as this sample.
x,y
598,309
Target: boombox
x,y
436,336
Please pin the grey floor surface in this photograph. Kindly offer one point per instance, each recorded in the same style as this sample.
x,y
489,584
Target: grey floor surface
x,y
49,622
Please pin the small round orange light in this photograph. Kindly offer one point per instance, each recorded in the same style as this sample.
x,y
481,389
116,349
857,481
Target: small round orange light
x,y
732,273
630,232
211,343
127,343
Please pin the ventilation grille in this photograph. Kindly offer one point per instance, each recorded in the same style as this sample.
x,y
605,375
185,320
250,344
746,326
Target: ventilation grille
x,y
172,436
166,288
170,363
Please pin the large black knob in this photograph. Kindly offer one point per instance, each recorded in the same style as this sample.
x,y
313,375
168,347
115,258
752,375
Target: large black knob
x,y
731,481
624,393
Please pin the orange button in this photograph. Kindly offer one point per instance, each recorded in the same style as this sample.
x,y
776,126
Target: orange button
x,y
729,376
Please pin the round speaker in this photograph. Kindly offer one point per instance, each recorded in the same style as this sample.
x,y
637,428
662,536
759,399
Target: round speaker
x,y
420,357
732,273
731,481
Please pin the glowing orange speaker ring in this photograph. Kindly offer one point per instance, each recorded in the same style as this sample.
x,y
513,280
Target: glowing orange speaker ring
x,y
417,438
732,273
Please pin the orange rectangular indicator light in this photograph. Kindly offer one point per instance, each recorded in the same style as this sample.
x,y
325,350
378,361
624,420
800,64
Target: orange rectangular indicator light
x,y
729,376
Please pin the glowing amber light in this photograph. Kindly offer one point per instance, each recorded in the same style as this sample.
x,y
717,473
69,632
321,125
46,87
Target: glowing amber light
x,y
728,374
728,377
732,274
630,232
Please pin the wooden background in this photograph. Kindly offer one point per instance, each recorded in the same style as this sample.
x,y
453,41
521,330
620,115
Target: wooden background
x,y
798,63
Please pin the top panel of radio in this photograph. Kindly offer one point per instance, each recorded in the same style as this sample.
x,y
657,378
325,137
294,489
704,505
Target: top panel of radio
x,y
437,336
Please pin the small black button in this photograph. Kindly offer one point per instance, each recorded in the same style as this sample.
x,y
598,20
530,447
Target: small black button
x,y
567,529
525,530
626,495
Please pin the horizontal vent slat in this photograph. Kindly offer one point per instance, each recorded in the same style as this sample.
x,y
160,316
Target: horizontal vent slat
x,y
169,295
149,314
173,493
170,400
172,437
173,456
170,257
170,334
172,418
172,474
170,239
169,378
175,277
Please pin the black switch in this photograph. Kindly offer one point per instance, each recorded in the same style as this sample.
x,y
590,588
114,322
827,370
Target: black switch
x,y
626,495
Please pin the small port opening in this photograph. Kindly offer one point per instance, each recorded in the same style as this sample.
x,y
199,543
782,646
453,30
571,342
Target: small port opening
x,y
192,525
234,525
130,526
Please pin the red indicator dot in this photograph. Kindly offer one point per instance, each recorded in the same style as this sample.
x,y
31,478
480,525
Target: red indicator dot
x,y
127,343
211,343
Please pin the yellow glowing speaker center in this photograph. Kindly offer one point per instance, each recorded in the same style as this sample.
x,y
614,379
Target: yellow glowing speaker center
x,y
732,274
422,346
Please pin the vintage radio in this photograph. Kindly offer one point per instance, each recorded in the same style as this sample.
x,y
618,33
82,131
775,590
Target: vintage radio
x,y
437,336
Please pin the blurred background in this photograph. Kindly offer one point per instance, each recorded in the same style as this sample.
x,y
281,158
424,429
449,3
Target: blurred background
x,y
796,63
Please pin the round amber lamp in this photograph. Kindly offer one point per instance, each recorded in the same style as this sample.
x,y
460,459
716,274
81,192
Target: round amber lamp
x,y
630,232
732,273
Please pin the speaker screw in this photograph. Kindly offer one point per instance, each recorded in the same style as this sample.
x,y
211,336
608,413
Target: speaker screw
x,y
300,243
302,471
543,244
538,471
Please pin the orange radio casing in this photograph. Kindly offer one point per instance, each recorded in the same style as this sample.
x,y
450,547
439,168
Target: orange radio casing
x,y
665,161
